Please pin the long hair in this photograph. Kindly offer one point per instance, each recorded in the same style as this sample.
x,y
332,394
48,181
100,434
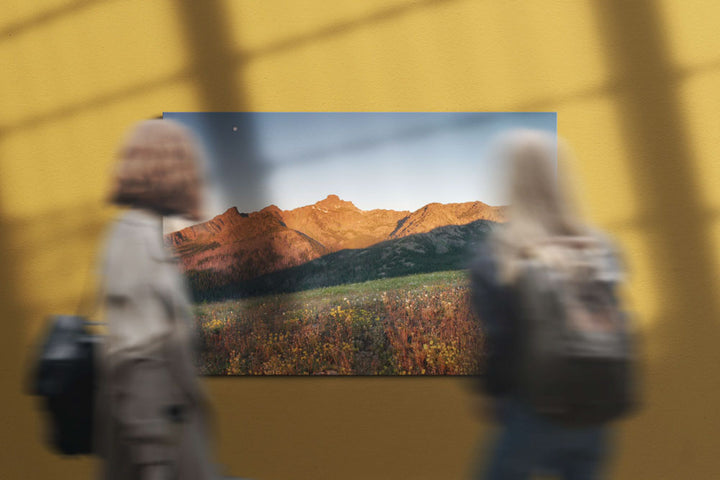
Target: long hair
x,y
540,205
158,169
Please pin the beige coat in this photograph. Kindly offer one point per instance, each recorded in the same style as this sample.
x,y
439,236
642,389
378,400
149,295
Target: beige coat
x,y
151,405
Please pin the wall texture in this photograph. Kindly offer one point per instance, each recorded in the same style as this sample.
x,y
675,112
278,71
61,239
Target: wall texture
x,y
635,88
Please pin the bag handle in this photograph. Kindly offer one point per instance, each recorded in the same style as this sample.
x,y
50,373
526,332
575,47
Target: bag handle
x,y
89,305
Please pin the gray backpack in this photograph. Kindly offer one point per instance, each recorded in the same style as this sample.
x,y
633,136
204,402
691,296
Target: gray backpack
x,y
576,350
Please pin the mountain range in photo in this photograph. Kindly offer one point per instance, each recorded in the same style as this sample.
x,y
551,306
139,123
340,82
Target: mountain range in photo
x,y
331,242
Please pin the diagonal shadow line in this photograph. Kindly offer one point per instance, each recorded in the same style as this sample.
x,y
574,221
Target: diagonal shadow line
x,y
538,105
81,220
617,86
48,16
361,144
96,102
541,104
218,92
336,29
644,222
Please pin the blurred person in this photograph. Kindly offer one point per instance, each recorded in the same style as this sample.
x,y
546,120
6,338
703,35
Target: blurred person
x,y
152,409
544,228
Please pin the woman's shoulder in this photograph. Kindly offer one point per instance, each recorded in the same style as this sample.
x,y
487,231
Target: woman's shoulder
x,y
132,242
141,231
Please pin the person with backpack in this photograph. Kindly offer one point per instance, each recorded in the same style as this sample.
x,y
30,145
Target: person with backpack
x,y
151,408
559,351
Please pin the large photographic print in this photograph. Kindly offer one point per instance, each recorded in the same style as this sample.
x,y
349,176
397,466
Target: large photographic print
x,y
338,243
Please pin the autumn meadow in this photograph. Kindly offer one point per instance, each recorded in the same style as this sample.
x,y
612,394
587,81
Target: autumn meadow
x,y
420,324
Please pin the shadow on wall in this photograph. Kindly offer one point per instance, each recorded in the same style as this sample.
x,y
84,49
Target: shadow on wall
x,y
681,388
59,245
12,346
680,393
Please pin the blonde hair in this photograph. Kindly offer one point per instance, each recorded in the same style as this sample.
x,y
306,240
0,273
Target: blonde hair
x,y
540,205
159,169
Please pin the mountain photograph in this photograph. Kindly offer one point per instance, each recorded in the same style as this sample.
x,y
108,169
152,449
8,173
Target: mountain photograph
x,y
339,243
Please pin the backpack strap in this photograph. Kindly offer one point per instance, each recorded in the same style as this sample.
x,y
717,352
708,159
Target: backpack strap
x,y
89,304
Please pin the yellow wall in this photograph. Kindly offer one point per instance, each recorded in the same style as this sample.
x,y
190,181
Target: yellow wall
x,y
635,85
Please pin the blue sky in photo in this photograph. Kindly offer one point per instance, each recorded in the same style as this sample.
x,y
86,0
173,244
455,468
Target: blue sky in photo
x,y
399,161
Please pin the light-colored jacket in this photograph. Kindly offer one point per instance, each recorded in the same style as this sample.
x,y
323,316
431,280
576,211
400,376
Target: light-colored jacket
x,y
151,405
